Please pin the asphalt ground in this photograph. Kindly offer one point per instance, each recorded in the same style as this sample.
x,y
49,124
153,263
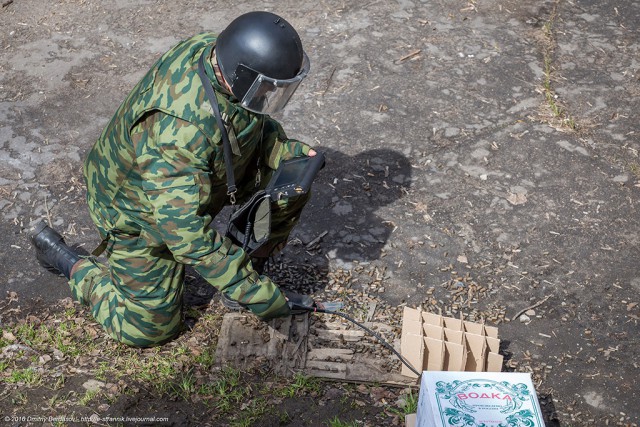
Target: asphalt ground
x,y
488,139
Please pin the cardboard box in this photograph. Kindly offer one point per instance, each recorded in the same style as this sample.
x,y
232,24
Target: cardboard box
x,y
455,357
476,352
412,348
433,356
488,399
432,342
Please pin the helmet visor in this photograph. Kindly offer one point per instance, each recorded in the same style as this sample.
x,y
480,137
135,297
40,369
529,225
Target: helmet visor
x,y
267,95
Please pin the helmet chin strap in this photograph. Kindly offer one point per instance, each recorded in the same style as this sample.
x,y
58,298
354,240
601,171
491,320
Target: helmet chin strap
x,y
218,73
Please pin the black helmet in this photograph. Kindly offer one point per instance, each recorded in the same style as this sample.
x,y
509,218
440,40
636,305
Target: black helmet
x,y
261,57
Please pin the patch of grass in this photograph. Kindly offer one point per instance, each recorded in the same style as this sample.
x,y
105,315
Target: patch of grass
x,y
634,168
206,358
175,371
68,345
410,406
227,390
301,384
193,313
60,399
103,370
412,403
180,351
88,397
206,390
59,383
19,399
54,400
254,411
27,376
185,387
64,336
336,422
70,312
156,369
285,418
27,334
557,111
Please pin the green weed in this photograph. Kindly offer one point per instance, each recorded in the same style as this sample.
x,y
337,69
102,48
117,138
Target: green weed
x,y
19,399
185,387
88,397
103,369
206,359
411,403
301,384
27,334
558,112
410,406
228,391
285,418
335,422
254,411
55,400
28,376
59,382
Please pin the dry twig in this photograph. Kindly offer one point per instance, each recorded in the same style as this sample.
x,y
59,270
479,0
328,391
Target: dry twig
x,y
329,81
410,55
531,307
315,241
46,207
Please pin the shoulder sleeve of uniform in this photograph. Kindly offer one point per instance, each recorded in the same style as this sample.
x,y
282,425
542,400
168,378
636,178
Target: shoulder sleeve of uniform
x,y
176,179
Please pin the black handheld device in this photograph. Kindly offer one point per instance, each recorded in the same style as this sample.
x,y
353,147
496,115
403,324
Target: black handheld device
x,y
250,225
295,176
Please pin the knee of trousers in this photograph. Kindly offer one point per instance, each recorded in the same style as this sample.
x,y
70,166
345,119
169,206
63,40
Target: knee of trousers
x,y
145,331
127,321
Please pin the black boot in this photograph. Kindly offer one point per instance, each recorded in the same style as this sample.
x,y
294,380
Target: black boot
x,y
51,251
232,305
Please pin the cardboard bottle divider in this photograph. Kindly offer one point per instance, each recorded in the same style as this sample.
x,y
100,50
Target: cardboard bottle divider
x,y
435,343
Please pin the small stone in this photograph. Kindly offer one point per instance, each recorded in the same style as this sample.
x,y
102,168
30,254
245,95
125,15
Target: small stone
x,y
530,312
93,385
524,318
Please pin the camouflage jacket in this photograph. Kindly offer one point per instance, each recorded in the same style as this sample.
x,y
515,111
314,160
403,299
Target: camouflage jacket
x,y
157,171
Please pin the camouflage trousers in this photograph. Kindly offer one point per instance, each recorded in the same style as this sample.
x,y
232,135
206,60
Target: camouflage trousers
x,y
137,297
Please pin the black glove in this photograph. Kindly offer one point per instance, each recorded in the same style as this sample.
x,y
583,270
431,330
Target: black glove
x,y
298,303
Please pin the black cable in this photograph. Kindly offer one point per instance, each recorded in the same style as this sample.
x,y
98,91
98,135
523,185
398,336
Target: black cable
x,y
375,334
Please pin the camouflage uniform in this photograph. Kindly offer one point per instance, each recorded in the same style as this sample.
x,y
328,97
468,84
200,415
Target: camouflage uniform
x,y
155,179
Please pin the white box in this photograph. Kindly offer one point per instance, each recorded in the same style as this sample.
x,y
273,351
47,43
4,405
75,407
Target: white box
x,y
490,399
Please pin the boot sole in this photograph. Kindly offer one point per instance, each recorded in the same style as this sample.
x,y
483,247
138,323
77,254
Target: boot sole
x,y
230,304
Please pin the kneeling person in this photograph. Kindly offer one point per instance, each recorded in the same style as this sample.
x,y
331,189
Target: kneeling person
x,y
160,172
